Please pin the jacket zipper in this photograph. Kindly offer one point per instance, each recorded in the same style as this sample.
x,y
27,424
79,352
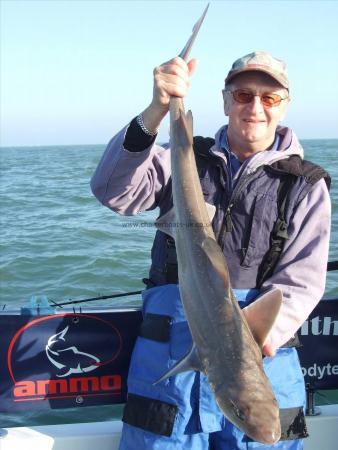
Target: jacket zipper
x,y
227,224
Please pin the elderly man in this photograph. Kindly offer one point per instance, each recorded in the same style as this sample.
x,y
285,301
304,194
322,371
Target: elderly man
x,y
272,222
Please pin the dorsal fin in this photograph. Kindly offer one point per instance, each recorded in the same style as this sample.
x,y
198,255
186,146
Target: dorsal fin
x,y
262,313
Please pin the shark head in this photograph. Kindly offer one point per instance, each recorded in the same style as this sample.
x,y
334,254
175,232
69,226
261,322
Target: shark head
x,y
259,421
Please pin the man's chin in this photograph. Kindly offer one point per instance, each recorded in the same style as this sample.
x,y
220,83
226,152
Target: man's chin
x,y
254,138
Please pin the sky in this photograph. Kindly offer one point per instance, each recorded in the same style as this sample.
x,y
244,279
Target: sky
x,y
75,72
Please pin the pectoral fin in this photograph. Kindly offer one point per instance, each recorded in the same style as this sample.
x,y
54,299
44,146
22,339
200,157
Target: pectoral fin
x,y
262,313
191,361
168,222
211,210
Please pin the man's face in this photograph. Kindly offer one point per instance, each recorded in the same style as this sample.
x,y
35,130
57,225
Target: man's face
x,y
253,123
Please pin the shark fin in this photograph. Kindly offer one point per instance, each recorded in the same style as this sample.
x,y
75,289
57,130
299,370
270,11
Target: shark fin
x,y
168,223
189,124
190,361
211,209
262,313
182,126
217,266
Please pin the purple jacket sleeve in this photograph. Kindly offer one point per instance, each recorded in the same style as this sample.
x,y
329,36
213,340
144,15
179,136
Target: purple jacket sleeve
x,y
301,270
131,182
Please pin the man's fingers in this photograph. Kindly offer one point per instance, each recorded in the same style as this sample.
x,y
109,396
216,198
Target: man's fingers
x,y
268,350
192,65
170,68
175,89
172,78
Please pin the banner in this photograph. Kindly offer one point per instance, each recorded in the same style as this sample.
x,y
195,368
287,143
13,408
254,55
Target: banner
x,y
82,359
319,351
65,360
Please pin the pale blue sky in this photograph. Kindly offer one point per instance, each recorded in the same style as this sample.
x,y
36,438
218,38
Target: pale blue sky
x,y
75,72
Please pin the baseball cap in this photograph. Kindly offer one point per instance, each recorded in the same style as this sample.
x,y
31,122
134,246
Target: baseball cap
x,y
263,62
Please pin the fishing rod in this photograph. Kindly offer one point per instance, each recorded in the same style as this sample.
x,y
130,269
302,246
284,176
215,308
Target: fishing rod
x,y
102,297
332,265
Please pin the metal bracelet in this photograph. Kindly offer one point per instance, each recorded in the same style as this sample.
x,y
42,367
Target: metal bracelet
x,y
139,120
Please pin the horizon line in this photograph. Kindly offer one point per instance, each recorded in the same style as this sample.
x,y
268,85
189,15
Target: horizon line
x,y
105,144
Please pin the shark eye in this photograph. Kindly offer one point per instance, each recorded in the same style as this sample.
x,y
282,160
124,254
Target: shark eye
x,y
238,413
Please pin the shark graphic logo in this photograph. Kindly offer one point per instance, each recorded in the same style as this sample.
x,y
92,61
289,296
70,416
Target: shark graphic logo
x,y
69,360
57,359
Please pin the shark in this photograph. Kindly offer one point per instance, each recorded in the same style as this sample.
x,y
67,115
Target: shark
x,y
227,341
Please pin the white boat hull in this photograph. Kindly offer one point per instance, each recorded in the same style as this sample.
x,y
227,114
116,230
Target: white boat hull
x,y
323,430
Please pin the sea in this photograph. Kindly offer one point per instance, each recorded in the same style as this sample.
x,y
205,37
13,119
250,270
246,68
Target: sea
x,y
58,241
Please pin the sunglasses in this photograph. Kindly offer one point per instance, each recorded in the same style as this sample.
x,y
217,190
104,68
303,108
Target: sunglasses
x,y
268,100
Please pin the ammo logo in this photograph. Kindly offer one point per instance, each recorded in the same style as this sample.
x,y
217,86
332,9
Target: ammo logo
x,y
50,357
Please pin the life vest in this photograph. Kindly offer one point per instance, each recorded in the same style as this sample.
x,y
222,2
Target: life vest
x,y
251,226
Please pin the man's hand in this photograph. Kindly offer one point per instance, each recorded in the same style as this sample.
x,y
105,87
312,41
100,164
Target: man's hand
x,y
268,350
171,78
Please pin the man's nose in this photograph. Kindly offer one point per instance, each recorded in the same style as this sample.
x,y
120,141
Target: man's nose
x,y
256,105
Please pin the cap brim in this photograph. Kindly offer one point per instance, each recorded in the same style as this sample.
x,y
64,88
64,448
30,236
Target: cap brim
x,y
280,79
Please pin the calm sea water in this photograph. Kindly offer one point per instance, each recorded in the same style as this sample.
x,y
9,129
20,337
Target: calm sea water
x,y
58,241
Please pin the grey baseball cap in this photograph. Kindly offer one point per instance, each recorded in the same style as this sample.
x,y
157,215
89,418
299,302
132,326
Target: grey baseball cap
x,y
263,62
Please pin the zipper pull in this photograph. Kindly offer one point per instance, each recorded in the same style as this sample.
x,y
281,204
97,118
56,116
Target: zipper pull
x,y
226,226
228,221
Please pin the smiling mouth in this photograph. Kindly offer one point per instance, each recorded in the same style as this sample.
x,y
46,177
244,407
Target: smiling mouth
x,y
253,121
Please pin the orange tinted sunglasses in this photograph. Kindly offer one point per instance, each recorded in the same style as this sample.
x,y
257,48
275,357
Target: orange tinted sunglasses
x,y
268,100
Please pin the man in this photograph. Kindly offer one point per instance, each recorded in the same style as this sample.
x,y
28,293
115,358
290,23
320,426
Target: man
x,y
272,222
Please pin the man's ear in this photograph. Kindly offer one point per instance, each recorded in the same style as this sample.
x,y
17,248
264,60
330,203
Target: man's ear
x,y
285,108
226,102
